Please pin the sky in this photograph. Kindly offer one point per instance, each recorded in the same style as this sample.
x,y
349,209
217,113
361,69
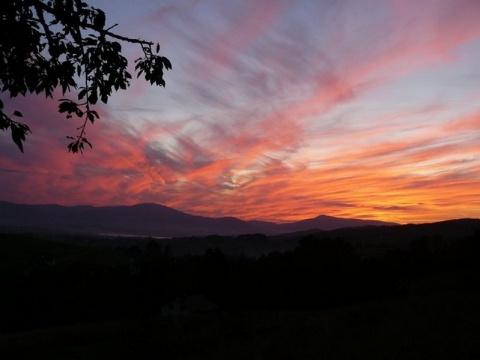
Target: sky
x,y
276,110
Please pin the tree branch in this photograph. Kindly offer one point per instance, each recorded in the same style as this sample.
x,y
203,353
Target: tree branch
x,y
41,19
38,4
123,38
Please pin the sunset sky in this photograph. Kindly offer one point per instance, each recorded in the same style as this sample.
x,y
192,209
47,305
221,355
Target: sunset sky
x,y
276,110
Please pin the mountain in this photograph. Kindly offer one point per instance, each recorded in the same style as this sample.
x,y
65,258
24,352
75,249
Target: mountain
x,y
149,220
326,223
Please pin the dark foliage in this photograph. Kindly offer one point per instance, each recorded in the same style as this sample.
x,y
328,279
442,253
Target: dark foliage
x,y
321,300
65,45
48,283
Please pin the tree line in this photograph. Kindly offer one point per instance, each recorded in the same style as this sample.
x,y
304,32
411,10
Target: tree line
x,y
87,284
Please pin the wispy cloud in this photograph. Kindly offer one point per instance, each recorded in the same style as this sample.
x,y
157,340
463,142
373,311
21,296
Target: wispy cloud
x,y
281,110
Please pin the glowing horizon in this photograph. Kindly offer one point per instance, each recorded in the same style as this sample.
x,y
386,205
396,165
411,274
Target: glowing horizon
x,y
279,111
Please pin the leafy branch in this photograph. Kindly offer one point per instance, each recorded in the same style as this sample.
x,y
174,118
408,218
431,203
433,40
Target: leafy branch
x,y
18,129
45,45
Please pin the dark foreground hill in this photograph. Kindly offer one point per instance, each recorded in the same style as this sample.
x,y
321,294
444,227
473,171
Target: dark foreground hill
x,y
321,300
375,239
148,220
367,240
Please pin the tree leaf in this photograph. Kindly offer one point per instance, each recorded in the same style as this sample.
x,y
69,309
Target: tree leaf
x,y
18,134
167,63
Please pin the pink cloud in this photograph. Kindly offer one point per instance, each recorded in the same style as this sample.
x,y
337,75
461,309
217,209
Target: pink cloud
x,y
277,140
246,25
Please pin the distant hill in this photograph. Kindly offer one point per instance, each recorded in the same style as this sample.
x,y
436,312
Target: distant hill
x,y
326,223
377,239
150,220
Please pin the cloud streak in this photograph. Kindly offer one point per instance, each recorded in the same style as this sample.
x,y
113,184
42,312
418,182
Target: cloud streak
x,y
281,111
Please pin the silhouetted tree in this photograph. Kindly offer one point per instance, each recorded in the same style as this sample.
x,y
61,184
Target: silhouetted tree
x,y
45,45
325,253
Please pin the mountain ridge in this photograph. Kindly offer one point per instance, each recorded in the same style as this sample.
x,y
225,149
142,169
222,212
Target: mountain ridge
x,y
149,219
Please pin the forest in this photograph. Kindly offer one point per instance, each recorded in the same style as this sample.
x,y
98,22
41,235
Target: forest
x,y
51,285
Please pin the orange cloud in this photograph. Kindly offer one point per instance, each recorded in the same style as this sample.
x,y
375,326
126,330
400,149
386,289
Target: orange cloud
x,y
300,123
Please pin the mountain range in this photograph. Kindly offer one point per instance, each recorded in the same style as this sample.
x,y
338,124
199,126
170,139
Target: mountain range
x,y
151,220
